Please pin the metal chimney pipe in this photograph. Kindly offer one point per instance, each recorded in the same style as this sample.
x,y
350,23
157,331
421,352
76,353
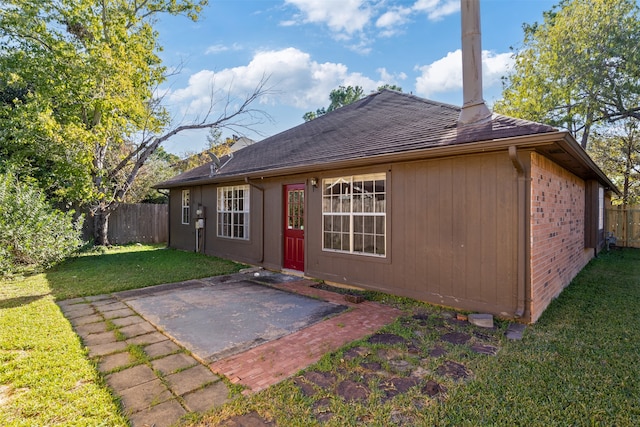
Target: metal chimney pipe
x,y
474,109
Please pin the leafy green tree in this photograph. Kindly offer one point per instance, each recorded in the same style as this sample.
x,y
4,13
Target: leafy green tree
x,y
33,234
343,95
390,87
617,152
77,106
579,68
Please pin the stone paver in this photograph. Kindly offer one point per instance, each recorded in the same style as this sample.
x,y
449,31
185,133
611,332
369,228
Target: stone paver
x,y
130,377
515,331
91,328
163,415
85,320
137,329
100,338
124,312
148,400
144,396
79,311
114,361
129,320
161,348
213,395
175,362
109,305
191,379
104,349
151,338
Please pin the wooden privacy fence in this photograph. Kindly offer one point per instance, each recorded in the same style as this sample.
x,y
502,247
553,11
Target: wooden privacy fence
x,y
135,223
624,225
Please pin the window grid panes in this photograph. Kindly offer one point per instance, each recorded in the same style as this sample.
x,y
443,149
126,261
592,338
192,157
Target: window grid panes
x,y
186,214
354,214
233,212
295,214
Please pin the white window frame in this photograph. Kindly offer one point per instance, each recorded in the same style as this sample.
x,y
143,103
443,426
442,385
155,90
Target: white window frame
x,y
344,203
186,207
233,212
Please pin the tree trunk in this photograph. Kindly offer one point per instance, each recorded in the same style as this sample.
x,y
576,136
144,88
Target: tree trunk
x,y
101,227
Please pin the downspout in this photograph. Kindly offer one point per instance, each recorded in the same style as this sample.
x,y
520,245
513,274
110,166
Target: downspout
x,y
168,194
522,235
257,187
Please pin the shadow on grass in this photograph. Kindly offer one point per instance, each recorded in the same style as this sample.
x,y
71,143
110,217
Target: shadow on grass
x,y
20,301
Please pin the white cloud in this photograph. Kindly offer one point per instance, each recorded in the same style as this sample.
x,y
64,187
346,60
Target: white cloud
x,y
344,17
296,79
391,22
436,9
219,48
445,74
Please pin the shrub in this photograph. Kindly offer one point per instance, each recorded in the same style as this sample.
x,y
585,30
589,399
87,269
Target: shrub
x,y
33,235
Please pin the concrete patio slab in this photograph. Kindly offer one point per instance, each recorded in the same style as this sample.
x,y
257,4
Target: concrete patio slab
x,y
216,320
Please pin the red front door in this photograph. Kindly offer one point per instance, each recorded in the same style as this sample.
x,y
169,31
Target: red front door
x,y
294,227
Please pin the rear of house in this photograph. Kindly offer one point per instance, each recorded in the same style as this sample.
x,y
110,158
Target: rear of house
x,y
392,194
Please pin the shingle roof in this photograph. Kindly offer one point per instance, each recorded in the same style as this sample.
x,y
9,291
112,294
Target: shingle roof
x,y
386,122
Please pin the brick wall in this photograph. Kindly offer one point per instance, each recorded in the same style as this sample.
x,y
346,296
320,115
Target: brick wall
x,y
557,231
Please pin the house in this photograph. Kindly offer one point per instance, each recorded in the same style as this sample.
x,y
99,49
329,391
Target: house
x,y
395,193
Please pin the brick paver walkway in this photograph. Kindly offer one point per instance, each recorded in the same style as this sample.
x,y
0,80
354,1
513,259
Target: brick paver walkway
x,y
272,362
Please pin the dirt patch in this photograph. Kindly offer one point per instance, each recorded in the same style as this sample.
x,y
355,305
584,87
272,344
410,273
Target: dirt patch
x,y
306,388
432,388
398,385
321,379
322,411
352,391
387,339
456,337
356,352
484,349
252,419
371,366
437,351
454,370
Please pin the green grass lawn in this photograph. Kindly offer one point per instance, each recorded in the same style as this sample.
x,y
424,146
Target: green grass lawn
x,y
45,375
579,365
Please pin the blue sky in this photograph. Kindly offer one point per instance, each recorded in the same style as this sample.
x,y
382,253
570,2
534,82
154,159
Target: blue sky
x,y
309,47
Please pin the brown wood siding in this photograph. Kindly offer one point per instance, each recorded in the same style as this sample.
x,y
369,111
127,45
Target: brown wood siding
x,y
451,235
181,236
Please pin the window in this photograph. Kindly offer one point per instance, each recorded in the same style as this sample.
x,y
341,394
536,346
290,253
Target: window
x,y
233,212
600,208
186,215
354,214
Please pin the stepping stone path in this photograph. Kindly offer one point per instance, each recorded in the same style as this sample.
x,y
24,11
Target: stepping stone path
x,y
161,386
389,365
